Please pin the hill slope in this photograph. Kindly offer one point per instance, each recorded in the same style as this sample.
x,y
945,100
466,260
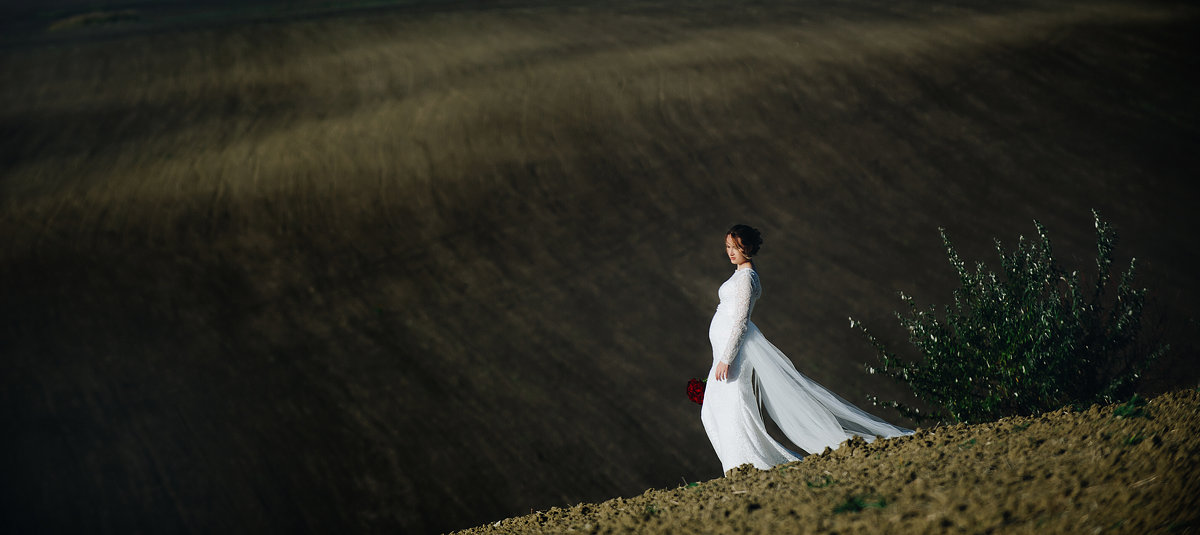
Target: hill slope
x,y
1061,472
411,270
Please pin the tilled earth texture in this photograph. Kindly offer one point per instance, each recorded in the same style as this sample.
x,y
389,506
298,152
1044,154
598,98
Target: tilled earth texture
x,y
1115,469
412,266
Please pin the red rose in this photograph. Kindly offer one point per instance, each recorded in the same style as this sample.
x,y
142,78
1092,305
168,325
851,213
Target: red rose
x,y
696,391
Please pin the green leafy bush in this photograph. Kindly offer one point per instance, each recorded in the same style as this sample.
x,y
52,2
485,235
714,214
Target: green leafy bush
x,y
1034,339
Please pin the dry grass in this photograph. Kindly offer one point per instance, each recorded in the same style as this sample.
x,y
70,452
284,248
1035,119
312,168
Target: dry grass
x,y
420,270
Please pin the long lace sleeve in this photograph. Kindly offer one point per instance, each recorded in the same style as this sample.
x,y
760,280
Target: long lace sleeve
x,y
743,287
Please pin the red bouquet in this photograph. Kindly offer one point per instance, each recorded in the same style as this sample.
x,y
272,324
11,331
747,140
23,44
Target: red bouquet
x,y
696,390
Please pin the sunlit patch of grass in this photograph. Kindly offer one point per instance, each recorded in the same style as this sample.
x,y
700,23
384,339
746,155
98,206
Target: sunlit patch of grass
x,y
94,18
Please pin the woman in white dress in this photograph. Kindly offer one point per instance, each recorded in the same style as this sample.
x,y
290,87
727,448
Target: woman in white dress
x,y
745,362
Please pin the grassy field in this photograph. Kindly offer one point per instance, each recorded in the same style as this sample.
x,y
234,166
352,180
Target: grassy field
x,y
417,268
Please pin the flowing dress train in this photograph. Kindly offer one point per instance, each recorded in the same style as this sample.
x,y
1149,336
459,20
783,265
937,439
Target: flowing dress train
x,y
808,414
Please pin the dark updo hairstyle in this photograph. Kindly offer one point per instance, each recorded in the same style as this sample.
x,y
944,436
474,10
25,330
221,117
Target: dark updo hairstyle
x,y
747,238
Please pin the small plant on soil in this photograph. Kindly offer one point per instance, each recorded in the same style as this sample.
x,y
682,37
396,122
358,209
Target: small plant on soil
x,y
825,481
854,504
1032,339
1134,439
1132,408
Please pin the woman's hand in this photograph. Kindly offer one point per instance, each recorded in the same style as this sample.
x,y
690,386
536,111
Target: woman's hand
x,y
722,371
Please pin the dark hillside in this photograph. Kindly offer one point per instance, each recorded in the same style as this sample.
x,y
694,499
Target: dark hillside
x,y
421,270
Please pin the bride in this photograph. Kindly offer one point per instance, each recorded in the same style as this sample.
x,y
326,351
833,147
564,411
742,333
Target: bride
x,y
745,362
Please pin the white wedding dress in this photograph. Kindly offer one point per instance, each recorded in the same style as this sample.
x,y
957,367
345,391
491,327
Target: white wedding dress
x,y
808,414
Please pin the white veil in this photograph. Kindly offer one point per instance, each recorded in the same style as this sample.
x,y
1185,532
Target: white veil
x,y
808,414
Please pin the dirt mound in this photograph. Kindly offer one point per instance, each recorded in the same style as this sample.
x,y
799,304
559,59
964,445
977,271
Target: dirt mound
x,y
1123,468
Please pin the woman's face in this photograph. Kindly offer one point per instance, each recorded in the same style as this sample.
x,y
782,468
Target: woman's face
x,y
735,254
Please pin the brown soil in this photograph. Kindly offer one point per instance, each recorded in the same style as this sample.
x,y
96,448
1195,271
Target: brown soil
x,y
1061,472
